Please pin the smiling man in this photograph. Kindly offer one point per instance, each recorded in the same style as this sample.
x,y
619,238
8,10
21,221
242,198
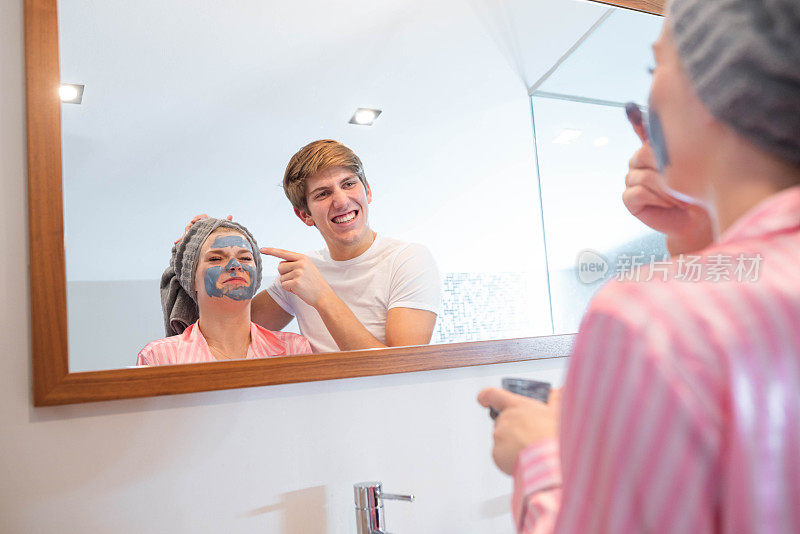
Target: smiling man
x,y
364,290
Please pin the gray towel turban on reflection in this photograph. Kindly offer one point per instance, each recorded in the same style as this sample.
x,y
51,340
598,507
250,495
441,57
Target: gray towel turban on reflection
x,y
743,57
178,299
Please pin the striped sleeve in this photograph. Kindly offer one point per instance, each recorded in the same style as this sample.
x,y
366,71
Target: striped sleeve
x,y
537,488
143,358
299,345
635,448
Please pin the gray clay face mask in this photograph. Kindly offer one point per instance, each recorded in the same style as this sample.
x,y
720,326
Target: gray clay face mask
x,y
227,281
656,135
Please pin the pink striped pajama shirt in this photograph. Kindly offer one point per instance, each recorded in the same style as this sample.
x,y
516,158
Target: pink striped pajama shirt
x,y
681,408
191,347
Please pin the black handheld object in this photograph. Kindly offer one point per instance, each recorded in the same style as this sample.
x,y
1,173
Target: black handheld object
x,y
521,386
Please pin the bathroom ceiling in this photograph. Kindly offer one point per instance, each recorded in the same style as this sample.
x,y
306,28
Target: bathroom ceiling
x,y
298,66
182,96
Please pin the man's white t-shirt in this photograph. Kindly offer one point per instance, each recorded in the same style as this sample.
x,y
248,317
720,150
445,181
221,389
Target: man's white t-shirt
x,y
389,274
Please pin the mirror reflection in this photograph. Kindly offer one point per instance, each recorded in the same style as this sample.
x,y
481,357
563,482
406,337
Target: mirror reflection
x,y
191,109
206,296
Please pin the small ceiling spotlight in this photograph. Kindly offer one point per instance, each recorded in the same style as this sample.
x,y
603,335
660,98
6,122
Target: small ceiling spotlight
x,y
567,136
364,116
71,93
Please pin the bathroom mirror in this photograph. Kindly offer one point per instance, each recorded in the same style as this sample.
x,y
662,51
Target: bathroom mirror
x,y
181,97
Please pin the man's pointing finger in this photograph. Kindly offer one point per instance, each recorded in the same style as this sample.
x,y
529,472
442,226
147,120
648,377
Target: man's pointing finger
x,y
282,254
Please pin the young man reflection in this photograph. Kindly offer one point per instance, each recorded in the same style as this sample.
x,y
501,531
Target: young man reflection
x,y
364,290
213,277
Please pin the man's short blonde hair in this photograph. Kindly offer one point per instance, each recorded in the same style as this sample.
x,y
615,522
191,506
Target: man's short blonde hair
x,y
311,159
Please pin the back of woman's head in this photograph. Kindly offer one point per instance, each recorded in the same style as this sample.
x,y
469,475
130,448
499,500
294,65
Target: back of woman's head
x,y
743,59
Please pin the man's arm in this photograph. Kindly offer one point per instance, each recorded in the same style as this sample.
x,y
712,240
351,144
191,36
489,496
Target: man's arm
x,y
343,325
414,297
299,275
268,313
409,326
404,326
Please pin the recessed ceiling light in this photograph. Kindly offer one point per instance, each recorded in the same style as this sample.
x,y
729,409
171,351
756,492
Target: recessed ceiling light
x,y
71,93
601,141
364,116
567,136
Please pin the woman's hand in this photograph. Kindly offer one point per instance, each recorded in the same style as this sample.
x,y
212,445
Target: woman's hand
x,y
522,421
194,220
688,227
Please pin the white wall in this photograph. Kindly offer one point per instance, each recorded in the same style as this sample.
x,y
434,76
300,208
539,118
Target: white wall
x,y
277,459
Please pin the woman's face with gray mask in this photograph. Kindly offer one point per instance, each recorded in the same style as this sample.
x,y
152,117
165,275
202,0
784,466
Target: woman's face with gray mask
x,y
680,127
226,269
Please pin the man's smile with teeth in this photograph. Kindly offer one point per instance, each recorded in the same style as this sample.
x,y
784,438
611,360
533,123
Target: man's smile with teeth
x,y
347,217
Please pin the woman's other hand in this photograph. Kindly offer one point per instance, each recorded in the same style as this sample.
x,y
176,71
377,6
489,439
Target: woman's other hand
x,y
522,422
194,220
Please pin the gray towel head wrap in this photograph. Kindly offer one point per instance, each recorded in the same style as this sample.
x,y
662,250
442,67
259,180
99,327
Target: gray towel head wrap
x,y
743,57
178,300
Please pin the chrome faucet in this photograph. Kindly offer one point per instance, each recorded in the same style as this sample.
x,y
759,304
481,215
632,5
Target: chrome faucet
x,y
369,498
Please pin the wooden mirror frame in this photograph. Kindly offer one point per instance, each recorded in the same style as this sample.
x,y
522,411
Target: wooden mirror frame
x,y
52,381
654,7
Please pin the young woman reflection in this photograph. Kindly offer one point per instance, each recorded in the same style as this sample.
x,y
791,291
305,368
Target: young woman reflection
x,y
206,294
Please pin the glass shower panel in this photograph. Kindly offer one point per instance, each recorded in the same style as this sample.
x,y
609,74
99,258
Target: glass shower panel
x,y
612,63
583,143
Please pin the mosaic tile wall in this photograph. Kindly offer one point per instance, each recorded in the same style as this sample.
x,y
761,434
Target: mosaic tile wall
x,y
482,306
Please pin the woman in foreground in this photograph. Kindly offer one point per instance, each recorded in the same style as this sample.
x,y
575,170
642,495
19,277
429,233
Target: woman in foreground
x,y
681,408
